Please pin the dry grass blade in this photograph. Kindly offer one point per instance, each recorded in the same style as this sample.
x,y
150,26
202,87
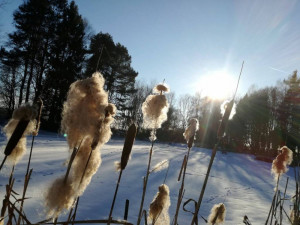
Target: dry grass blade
x,y
160,166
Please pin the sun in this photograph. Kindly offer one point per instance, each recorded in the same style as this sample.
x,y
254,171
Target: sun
x,y
217,85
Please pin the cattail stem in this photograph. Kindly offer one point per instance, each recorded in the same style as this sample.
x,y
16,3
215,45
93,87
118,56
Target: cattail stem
x,y
86,165
3,161
145,217
114,199
273,201
75,211
180,195
9,187
282,202
26,181
91,222
73,155
145,185
205,182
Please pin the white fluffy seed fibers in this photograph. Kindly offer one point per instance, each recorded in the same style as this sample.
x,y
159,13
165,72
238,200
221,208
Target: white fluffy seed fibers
x,y
86,119
85,105
60,196
191,130
159,207
217,214
161,88
155,110
279,165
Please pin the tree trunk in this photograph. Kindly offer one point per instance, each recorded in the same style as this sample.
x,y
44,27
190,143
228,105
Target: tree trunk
x,y
29,80
23,83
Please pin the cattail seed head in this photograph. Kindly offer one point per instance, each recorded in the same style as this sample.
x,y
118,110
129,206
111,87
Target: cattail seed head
x,y
161,88
189,134
279,165
159,206
225,119
155,109
86,103
21,124
129,140
217,214
59,196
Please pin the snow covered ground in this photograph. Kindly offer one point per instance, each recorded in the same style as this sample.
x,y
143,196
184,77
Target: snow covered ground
x,y
245,185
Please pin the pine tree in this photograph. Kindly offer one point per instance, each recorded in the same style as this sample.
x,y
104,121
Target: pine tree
x,y
114,62
32,24
66,59
289,113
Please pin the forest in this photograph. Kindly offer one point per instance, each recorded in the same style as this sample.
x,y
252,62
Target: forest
x,y
52,46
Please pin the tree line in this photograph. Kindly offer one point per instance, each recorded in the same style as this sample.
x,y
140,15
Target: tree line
x,y
264,118
52,46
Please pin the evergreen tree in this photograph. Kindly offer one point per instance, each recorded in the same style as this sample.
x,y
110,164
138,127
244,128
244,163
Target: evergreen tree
x,y
289,112
66,59
32,25
9,76
114,63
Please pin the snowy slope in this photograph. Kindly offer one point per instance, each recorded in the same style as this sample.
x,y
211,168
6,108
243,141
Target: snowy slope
x,y
244,184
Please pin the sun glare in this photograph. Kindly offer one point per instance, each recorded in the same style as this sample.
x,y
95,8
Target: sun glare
x,y
217,85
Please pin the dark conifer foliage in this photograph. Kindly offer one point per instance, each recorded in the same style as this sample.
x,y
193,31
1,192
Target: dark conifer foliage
x,y
114,62
66,59
43,56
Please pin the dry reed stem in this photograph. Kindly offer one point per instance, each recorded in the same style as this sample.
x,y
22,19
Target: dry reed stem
x,y
273,201
89,222
28,173
145,184
128,143
180,193
9,190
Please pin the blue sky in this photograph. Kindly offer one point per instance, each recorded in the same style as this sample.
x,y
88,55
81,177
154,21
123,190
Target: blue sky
x,y
184,41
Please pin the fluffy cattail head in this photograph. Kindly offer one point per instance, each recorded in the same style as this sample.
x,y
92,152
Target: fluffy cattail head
x,y
129,140
87,103
189,134
161,88
217,214
160,205
280,163
224,106
155,109
59,196
26,112
225,119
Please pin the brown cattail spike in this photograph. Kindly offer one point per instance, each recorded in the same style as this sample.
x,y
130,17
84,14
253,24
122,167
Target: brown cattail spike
x,y
15,137
225,119
130,136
